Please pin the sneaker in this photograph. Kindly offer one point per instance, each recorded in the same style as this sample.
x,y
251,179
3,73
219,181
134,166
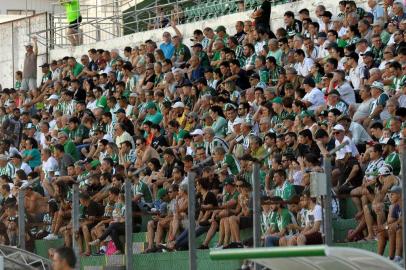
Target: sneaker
x,y
218,246
95,242
51,236
397,259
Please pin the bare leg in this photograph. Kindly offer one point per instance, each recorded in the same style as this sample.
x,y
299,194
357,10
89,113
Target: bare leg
x,y
227,232
399,243
86,238
356,194
301,240
210,233
382,237
235,230
150,233
370,222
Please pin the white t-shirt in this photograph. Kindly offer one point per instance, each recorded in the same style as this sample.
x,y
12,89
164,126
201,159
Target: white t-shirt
x,y
51,165
303,68
356,76
347,93
315,97
314,215
349,148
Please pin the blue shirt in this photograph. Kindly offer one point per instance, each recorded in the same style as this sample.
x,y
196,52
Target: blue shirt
x,y
168,49
197,73
377,11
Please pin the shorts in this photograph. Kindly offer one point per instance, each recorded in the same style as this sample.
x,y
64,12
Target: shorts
x,y
75,24
28,84
314,239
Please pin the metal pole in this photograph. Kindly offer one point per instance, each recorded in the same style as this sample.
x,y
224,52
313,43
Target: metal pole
x,y
21,219
192,221
128,225
404,196
328,201
75,221
256,208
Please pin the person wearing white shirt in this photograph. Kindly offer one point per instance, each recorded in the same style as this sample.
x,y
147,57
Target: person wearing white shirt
x,y
49,164
357,72
376,9
323,43
314,97
339,83
358,133
303,64
310,50
16,159
348,150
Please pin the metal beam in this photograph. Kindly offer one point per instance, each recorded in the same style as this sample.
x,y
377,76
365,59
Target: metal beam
x,y
192,221
21,219
128,225
256,207
75,222
403,152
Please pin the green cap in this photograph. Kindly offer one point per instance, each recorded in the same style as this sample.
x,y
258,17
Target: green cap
x,y
150,105
161,193
229,180
289,116
95,163
220,28
334,92
277,100
306,113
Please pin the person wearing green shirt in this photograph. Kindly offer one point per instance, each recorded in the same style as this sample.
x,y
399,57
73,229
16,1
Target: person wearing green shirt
x,y
283,219
142,193
226,161
101,101
73,17
75,68
219,122
152,114
68,146
177,133
31,154
391,157
283,189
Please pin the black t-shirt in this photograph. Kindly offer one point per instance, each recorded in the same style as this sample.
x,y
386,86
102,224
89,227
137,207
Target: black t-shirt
x,y
93,210
159,141
150,79
242,81
128,126
263,20
80,95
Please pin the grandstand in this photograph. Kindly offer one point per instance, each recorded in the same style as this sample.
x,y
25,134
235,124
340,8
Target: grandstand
x,y
111,93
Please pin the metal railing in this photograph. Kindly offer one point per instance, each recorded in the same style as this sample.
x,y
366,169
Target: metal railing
x,y
116,18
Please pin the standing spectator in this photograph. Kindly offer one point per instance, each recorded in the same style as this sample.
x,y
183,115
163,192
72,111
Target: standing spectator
x,y
29,81
74,34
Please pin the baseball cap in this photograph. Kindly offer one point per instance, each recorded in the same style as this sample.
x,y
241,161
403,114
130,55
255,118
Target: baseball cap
x,y
255,76
30,125
120,111
385,170
178,104
44,65
193,115
306,113
322,35
339,127
220,28
133,95
377,85
28,44
229,181
395,189
388,141
53,96
369,53
197,45
277,100
289,116
197,131
334,92
150,105
237,121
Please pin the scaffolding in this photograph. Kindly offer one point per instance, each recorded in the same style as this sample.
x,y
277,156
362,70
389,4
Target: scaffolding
x,y
103,20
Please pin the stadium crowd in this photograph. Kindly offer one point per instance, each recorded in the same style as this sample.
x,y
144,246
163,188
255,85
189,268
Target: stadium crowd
x,y
283,99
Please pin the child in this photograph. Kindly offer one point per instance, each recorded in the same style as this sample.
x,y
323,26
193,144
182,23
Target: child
x,y
19,78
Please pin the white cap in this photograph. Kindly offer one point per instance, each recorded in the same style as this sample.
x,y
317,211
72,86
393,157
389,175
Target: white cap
x,y
133,95
28,44
238,121
197,131
339,127
178,104
53,96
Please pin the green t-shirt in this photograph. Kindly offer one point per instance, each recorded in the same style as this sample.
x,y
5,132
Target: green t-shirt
x,y
35,161
180,135
70,148
232,164
102,102
142,189
156,118
286,191
283,219
228,196
220,126
77,68
394,161
72,10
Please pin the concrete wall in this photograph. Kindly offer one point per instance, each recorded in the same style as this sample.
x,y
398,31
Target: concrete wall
x,y
37,5
13,36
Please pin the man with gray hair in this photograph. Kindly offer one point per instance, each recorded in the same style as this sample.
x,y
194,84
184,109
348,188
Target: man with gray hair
x,y
211,141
